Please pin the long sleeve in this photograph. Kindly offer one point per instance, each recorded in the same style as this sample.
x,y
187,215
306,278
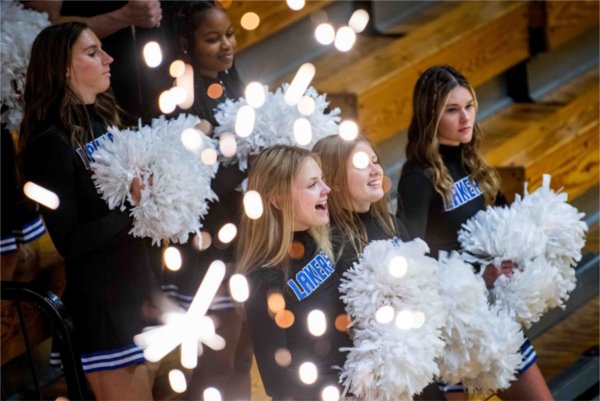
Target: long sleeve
x,y
49,162
415,194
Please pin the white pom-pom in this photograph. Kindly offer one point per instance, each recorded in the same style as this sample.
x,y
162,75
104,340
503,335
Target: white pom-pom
x,y
18,30
482,344
394,360
177,190
274,123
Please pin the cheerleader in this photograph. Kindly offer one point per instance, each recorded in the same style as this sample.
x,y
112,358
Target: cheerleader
x,y
68,106
445,181
286,253
358,204
205,38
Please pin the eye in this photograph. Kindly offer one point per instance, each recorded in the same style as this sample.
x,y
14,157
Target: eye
x,y
230,33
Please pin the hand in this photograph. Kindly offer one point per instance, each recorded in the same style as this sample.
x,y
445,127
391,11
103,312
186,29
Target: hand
x,y
143,13
492,273
135,189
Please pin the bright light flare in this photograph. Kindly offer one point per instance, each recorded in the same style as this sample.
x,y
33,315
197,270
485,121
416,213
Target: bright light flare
x,y
385,314
306,105
398,266
317,323
308,373
238,288
209,156
302,131
227,233
404,320
152,54
299,84
295,5
177,381
191,139
325,34
285,319
177,68
255,94
360,160
166,102
330,393
359,20
212,394
275,302
250,21
178,95
172,258
186,82
283,357
418,319
253,206
348,130
244,121
344,39
228,144
41,195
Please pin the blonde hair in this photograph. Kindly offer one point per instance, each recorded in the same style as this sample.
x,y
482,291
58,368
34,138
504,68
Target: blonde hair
x,y
266,241
430,95
334,153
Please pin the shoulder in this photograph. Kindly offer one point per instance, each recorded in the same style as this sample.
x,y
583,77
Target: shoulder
x,y
265,277
415,174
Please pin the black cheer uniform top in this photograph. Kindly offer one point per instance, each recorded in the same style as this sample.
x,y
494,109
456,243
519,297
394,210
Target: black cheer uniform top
x,y
313,284
343,249
423,211
108,271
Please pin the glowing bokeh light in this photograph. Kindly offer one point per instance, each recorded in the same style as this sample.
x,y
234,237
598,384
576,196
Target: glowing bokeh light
x,y
228,144
250,21
244,121
342,322
385,314
325,34
192,140
404,320
255,94
398,266
172,258
238,288
177,381
209,156
41,195
302,131
214,90
330,393
344,39
418,320
308,373
295,4
317,323
299,84
178,95
177,68
359,20
152,54
284,319
166,102
360,160
186,81
212,394
306,105
205,240
296,250
283,357
253,206
348,130
227,233
275,302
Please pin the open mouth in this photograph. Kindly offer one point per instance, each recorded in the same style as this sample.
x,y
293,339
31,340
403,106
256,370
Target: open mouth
x,y
322,207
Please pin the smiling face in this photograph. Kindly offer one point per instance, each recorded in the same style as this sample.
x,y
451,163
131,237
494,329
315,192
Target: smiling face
x,y
365,183
458,118
309,196
215,42
89,71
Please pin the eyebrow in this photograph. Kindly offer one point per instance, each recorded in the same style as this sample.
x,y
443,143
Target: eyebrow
x,y
457,104
91,47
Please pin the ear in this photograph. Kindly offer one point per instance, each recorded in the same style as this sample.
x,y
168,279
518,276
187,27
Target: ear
x,y
275,202
184,45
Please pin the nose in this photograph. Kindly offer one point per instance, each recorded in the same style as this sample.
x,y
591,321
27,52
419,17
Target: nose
x,y
227,43
106,58
324,188
464,115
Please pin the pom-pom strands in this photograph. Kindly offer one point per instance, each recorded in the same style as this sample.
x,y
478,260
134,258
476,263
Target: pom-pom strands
x,y
482,344
18,30
388,362
177,183
274,123
543,235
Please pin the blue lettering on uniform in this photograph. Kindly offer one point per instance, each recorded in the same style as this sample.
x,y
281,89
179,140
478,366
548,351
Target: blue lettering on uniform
x,y
463,191
92,146
311,276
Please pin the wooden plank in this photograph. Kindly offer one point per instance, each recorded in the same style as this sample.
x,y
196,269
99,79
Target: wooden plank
x,y
473,37
566,20
274,15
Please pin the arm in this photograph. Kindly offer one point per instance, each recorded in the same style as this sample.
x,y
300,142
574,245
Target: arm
x,y
415,194
142,13
49,162
267,338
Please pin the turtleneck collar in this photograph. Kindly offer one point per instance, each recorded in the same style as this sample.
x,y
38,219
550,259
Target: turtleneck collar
x,y
450,153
